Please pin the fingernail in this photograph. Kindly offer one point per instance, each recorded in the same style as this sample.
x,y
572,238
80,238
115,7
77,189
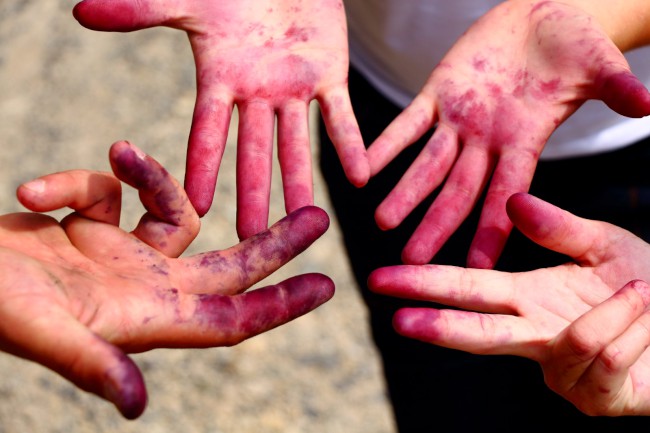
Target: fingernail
x,y
36,186
140,154
124,387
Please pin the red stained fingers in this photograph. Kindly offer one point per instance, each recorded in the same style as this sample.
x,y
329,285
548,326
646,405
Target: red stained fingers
x,y
513,174
226,321
463,330
207,142
411,124
93,195
623,92
451,207
239,267
554,228
342,128
254,167
208,320
82,357
472,289
170,223
426,173
125,15
294,155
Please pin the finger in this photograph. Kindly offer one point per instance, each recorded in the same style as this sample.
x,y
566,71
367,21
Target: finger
x,y
254,167
171,223
111,246
467,331
125,15
552,227
471,289
92,194
294,154
411,124
425,174
623,92
207,142
589,354
92,364
513,174
236,269
607,377
218,320
342,128
450,208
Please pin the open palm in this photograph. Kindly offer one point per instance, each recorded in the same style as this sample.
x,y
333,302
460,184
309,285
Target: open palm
x,y
585,322
78,295
495,98
269,58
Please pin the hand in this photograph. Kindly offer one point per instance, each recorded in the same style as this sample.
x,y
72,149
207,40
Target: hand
x,y
269,58
78,295
585,322
496,97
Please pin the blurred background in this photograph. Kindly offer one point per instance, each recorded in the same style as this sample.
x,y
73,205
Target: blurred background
x,y
66,94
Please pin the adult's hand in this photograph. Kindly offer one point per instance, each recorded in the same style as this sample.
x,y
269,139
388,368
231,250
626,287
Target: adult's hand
x,y
496,97
585,322
269,58
79,295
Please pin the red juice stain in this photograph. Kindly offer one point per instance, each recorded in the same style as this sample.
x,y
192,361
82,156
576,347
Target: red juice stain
x,y
101,15
295,33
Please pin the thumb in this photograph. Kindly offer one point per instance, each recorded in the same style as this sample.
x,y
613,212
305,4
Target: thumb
x,y
552,227
86,360
123,15
623,92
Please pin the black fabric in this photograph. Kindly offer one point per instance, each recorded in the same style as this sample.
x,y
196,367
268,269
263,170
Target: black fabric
x,y
433,389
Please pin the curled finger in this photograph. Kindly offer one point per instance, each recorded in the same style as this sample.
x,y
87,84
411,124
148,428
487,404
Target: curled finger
x,y
591,360
92,194
170,223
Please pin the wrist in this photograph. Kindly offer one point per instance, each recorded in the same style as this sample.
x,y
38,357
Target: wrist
x,y
627,22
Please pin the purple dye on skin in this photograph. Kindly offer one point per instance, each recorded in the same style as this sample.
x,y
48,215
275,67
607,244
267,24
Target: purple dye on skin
x,y
222,314
147,175
169,205
137,172
168,295
162,269
124,386
105,15
418,323
479,64
467,110
215,262
550,87
625,94
297,34
242,316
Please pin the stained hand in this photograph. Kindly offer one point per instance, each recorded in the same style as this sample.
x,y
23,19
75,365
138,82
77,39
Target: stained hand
x,y
269,58
585,322
496,97
78,295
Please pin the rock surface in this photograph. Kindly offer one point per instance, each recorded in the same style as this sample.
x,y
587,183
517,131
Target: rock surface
x,y
66,94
